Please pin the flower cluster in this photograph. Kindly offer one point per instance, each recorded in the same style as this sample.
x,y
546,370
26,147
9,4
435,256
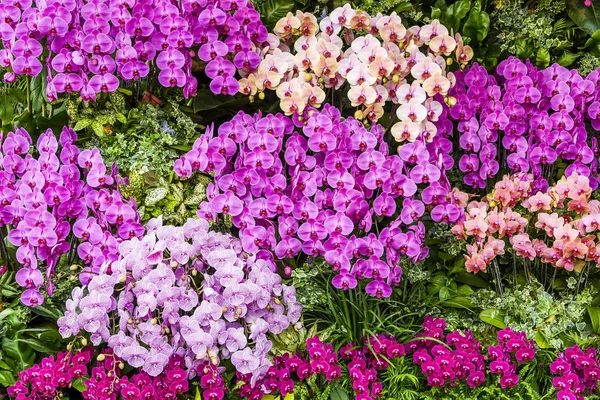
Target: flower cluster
x,y
513,348
322,360
87,45
211,381
461,359
320,191
578,373
524,119
564,221
63,200
184,291
47,379
105,382
364,363
378,58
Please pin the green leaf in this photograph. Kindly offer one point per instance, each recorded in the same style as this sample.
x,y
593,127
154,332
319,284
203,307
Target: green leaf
x,y
542,58
82,124
156,195
568,58
460,8
197,396
472,280
20,353
121,118
585,17
79,385
436,283
48,312
594,313
465,290
7,378
478,23
445,293
542,341
458,302
493,317
436,13
38,91
4,365
38,345
338,394
272,11
98,128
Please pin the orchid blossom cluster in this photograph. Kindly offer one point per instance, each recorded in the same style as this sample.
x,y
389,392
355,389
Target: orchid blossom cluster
x,y
524,120
103,381
184,291
458,360
319,191
461,357
87,45
578,373
559,226
60,202
375,355
513,349
322,360
378,57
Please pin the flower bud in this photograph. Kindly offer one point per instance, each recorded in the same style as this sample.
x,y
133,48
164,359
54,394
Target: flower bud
x,y
174,264
194,272
288,271
121,365
101,357
153,321
396,78
308,77
449,61
261,95
224,309
69,346
358,114
299,326
122,278
84,342
130,321
74,267
2,269
276,301
251,98
450,101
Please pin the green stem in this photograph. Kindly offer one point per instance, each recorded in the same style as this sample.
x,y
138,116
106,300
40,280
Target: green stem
x,y
29,109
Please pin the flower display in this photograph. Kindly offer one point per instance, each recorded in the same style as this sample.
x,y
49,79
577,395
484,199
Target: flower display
x,y
85,47
188,292
377,58
577,373
63,201
557,225
103,381
461,357
319,191
524,119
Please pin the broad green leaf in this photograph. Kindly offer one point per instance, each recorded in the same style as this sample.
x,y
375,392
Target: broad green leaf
x,y
79,385
20,353
436,13
48,312
207,100
121,118
478,23
38,91
594,313
464,290
198,396
338,394
542,58
7,378
568,58
458,302
272,11
38,345
461,8
436,283
585,17
493,317
472,280
445,293
542,341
